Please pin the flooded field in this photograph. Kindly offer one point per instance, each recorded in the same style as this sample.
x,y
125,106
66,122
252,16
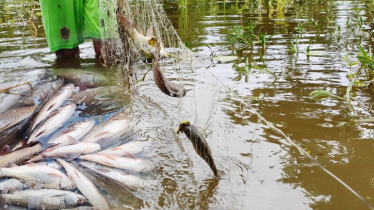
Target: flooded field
x,y
304,46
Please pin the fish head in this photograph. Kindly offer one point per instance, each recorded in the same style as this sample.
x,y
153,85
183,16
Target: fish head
x,y
69,86
73,199
57,83
66,183
182,125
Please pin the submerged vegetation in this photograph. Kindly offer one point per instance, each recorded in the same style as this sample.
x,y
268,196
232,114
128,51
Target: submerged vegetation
x,y
245,38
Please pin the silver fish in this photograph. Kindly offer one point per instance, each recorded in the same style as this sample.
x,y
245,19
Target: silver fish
x,y
112,128
44,199
53,103
73,134
146,44
72,151
138,165
95,95
119,192
199,144
19,156
102,107
132,147
85,186
118,175
42,91
7,101
54,122
82,77
41,175
11,185
14,116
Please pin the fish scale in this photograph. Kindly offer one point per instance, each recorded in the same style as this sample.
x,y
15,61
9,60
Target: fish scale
x,y
94,95
42,91
45,176
73,134
54,122
19,156
14,116
53,103
44,199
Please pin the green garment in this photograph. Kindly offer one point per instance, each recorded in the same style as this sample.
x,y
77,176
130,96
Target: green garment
x,y
68,22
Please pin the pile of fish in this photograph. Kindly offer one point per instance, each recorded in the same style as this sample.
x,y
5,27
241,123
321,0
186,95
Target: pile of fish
x,y
45,164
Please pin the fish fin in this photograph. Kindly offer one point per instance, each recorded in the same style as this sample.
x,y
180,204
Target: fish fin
x,y
35,186
140,32
102,133
149,32
107,163
76,173
55,175
11,190
40,133
110,157
52,113
82,87
5,150
130,155
51,106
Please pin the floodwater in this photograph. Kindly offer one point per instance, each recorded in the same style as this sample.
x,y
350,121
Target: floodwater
x,y
260,169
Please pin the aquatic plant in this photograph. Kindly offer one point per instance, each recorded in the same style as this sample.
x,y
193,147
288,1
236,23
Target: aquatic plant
x,y
263,38
242,35
367,62
315,24
300,28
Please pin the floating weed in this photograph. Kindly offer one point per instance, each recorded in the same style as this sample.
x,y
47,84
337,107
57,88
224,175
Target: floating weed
x,y
319,95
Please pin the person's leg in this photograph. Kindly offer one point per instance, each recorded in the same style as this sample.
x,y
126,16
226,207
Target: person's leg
x,y
62,20
91,27
67,53
97,46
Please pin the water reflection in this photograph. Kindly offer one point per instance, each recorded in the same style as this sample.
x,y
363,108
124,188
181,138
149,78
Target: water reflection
x,y
322,128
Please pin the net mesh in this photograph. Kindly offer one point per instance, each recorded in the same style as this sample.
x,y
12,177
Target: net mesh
x,y
119,47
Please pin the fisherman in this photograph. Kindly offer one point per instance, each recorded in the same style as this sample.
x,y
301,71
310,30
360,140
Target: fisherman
x,y
68,22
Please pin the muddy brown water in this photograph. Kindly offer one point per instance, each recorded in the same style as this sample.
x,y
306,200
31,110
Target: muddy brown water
x,y
260,169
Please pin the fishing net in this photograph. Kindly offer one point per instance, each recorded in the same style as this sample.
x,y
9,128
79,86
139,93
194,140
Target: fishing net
x,y
204,106
198,106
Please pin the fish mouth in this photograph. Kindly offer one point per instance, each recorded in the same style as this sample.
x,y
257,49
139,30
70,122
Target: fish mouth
x,y
182,125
